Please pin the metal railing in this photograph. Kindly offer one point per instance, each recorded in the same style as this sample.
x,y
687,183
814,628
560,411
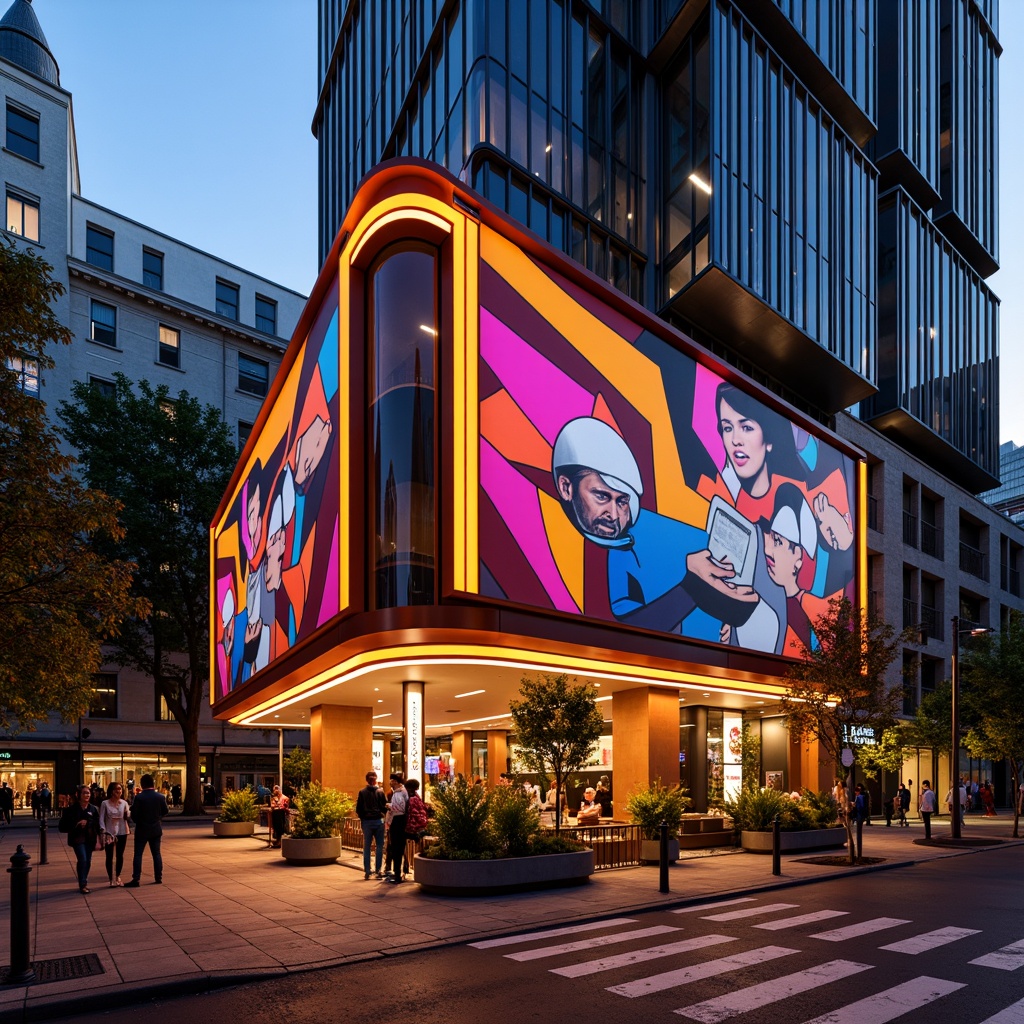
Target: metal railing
x,y
910,529
910,618
931,540
614,846
1009,579
973,561
931,624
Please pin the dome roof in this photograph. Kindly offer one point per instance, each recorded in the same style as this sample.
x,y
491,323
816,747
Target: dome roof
x,y
22,42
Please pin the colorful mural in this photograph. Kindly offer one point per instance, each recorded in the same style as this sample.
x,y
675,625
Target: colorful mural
x,y
621,480
275,572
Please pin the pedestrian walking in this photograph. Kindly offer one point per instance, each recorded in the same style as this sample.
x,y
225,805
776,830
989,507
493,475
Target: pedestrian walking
x,y
114,829
278,815
416,818
371,806
147,810
927,805
860,815
903,805
45,800
81,823
6,802
889,809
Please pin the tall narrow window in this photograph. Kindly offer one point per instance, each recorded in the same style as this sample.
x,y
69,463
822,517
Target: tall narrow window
x,y
153,269
103,702
227,299
403,327
23,216
244,431
170,347
22,134
99,247
266,315
103,323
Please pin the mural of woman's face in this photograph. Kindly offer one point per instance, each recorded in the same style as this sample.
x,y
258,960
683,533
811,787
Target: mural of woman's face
x,y
252,516
745,448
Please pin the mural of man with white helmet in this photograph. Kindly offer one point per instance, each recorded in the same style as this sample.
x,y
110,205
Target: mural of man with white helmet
x,y
660,570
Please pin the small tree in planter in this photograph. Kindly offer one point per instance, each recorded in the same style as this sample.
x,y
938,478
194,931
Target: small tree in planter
x,y
651,805
298,767
557,724
460,821
316,829
239,813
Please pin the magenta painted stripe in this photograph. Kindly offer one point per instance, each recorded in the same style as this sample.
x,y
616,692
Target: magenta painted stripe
x,y
548,397
517,503
329,600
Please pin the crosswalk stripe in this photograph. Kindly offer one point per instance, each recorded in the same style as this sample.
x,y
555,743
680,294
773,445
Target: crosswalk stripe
x,y
853,931
713,903
637,956
794,922
890,1004
1009,958
1011,1015
686,975
736,915
930,940
745,999
592,943
550,933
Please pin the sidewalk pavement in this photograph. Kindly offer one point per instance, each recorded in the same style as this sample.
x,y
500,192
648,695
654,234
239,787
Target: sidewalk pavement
x,y
232,911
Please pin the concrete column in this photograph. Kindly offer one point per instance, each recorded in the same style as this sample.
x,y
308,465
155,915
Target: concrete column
x,y
412,723
645,734
339,743
462,751
497,755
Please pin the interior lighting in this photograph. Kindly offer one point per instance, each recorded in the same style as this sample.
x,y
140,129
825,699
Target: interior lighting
x,y
547,148
387,714
429,330
700,183
469,693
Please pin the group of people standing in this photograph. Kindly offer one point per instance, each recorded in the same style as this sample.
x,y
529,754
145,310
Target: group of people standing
x,y
108,826
389,822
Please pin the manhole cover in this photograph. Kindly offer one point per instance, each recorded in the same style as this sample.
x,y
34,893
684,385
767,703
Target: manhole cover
x,y
67,967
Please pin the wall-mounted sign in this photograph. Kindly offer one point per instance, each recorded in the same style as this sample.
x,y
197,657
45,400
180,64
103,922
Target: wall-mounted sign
x,y
858,735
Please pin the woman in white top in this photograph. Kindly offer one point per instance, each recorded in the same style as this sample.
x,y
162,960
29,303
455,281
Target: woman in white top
x,y
114,813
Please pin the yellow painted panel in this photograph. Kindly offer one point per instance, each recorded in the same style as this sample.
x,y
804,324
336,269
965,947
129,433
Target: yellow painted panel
x,y
566,546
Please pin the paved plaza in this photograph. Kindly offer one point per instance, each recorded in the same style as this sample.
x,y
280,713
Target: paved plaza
x,y
232,910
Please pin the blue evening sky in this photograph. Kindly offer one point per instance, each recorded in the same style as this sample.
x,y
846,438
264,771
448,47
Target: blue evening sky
x,y
193,118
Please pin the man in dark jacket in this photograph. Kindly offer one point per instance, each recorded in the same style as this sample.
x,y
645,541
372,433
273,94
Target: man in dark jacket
x,y
147,810
6,802
81,823
371,805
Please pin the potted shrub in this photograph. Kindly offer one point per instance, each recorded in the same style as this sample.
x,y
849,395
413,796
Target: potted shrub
x,y
805,825
651,805
492,842
316,828
239,813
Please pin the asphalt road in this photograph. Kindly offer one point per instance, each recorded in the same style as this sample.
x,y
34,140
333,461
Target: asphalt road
x,y
939,943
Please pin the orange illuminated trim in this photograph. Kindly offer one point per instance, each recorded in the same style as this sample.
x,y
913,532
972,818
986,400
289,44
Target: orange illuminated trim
x,y
214,613
344,343
425,655
377,221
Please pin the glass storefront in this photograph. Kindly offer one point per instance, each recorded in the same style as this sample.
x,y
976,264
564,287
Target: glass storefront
x,y
168,771
25,777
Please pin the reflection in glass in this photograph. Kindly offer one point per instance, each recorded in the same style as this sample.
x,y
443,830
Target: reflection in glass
x,y
403,324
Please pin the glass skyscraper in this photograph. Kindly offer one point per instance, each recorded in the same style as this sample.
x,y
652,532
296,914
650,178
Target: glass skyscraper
x,y
808,188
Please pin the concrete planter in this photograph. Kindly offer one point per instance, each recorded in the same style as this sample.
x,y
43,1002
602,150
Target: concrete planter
x,y
690,826
311,851
650,851
713,823
233,829
508,874
791,842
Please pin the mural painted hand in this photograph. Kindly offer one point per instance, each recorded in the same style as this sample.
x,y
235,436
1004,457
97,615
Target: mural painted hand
x,y
718,575
834,526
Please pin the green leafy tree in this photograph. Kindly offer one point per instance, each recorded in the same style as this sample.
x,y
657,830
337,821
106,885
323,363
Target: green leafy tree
x,y
842,682
60,596
992,668
750,757
298,767
167,460
933,721
888,754
557,723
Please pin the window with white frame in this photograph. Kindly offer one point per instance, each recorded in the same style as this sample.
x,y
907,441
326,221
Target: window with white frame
x,y
26,371
253,375
23,216
102,323
22,133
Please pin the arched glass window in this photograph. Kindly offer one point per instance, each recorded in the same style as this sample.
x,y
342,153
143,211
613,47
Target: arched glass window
x,y
403,326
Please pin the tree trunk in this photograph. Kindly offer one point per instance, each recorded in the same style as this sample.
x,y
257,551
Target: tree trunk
x,y
193,786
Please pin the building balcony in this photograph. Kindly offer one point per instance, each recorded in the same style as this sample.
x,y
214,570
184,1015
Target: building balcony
x,y
909,529
973,561
910,616
931,624
873,518
931,540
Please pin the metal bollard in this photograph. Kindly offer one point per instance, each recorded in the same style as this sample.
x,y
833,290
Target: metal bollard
x,y
20,973
663,858
776,847
42,842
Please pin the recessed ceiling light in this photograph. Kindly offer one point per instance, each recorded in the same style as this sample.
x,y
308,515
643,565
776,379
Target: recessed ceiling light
x,y
468,693
705,694
380,700
387,714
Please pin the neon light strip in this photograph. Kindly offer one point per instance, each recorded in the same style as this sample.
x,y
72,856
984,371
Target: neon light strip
x,y
390,218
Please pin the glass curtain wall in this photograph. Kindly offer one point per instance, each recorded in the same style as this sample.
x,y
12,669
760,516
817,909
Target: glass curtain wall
x,y
403,324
